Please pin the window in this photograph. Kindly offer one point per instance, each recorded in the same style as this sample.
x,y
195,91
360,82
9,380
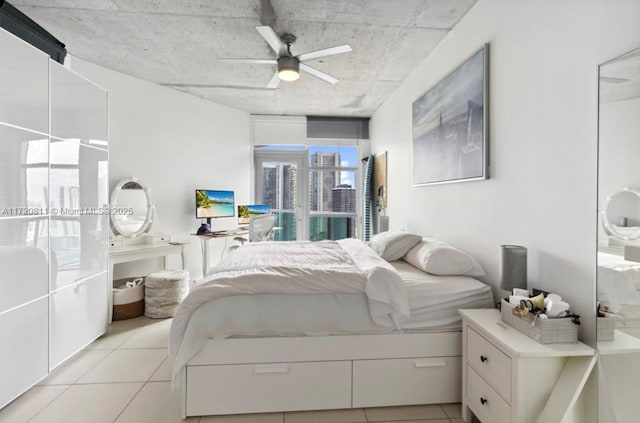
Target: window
x,y
332,192
313,190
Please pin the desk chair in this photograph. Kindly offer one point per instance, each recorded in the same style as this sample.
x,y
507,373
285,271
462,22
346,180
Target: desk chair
x,y
260,229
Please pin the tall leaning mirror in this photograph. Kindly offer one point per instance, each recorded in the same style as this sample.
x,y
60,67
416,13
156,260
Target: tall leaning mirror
x,y
618,258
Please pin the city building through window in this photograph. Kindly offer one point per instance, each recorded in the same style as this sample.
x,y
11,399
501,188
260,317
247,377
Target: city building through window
x,y
312,189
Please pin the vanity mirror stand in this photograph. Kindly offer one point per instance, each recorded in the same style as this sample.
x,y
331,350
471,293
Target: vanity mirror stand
x,y
132,213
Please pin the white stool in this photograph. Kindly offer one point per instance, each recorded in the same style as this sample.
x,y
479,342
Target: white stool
x,y
164,290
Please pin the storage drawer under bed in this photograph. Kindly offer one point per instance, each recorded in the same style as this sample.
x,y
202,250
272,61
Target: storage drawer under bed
x,y
406,381
247,388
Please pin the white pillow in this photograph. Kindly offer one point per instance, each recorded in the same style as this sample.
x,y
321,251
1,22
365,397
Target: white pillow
x,y
392,245
439,258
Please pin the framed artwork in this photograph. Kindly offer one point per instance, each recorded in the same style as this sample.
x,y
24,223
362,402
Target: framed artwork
x,y
380,181
450,126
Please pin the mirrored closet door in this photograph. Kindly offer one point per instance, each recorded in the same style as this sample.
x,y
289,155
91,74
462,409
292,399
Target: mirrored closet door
x,y
618,258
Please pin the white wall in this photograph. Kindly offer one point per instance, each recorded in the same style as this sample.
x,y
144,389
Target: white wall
x,y
174,143
543,131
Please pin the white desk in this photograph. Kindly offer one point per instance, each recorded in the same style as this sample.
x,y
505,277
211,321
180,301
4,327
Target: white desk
x,y
136,252
226,234
205,238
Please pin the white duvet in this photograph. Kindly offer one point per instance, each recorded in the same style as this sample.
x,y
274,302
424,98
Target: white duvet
x,y
618,282
327,267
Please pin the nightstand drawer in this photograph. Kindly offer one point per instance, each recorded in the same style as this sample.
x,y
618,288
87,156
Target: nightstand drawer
x,y
490,363
484,401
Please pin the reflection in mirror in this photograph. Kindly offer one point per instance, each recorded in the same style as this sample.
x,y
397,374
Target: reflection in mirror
x,y
24,266
620,217
131,208
30,153
618,272
77,238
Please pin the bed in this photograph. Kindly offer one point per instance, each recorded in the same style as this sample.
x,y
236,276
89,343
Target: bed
x,y
273,330
619,290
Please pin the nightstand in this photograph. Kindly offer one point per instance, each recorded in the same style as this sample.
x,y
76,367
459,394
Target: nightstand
x,y
509,377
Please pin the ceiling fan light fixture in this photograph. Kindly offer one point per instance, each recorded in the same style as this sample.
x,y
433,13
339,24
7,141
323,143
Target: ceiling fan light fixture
x,y
288,68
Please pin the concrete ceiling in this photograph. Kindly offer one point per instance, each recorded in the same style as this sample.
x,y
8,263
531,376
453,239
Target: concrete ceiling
x,y
178,44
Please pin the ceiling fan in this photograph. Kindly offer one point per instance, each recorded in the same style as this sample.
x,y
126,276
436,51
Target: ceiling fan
x,y
289,66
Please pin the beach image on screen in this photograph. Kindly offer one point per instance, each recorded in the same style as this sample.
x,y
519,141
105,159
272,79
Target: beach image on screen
x,y
214,204
245,212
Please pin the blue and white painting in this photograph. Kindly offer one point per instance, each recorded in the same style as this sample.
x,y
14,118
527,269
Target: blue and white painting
x,y
449,126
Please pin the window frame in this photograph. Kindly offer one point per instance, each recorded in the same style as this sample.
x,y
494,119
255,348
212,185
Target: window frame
x,y
304,212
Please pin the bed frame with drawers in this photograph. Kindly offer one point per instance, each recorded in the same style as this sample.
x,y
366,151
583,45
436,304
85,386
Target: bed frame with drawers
x,y
271,374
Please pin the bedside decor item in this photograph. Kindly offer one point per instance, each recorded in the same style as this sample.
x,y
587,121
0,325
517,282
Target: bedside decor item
x,y
513,267
545,318
606,324
450,126
543,330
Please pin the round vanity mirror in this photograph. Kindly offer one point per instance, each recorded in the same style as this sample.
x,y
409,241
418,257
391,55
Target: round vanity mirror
x,y
131,208
621,214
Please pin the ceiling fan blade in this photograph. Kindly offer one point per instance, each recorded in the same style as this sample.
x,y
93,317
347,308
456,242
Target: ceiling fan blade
x,y
254,61
272,39
612,80
313,55
275,81
315,72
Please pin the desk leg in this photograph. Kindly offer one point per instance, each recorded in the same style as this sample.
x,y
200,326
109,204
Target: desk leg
x,y
183,257
110,293
183,260
205,256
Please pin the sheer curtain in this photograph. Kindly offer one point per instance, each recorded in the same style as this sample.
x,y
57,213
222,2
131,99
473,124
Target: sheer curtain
x,y
367,198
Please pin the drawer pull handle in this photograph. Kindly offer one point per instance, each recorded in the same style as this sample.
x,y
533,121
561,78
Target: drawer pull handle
x,y
483,401
268,370
483,358
420,364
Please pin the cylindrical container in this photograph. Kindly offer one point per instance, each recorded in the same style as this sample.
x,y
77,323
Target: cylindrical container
x,y
164,291
513,267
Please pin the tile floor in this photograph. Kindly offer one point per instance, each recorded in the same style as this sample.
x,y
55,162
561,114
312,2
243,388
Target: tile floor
x,y
125,377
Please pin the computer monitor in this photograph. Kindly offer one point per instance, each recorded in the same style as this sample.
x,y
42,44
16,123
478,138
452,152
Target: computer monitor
x,y
214,203
246,211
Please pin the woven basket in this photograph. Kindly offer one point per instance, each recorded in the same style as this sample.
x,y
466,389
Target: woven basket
x,y
545,331
128,303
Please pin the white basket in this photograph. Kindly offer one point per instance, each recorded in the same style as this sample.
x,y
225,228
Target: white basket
x,y
128,295
606,328
128,302
544,331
